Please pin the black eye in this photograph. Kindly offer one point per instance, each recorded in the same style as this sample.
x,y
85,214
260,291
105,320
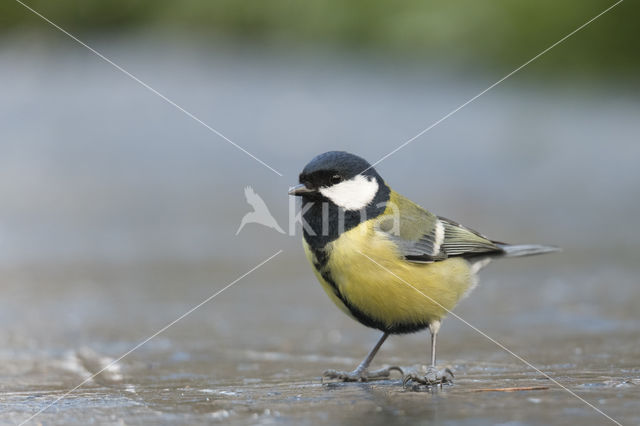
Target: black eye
x,y
336,179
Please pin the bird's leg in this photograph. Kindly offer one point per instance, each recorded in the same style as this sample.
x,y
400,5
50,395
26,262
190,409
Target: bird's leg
x,y
433,346
431,375
362,373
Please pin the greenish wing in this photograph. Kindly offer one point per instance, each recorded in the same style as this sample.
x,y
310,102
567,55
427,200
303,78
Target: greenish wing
x,y
424,237
462,241
413,229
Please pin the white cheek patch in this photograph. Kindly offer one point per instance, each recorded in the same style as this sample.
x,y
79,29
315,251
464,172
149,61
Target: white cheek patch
x,y
352,194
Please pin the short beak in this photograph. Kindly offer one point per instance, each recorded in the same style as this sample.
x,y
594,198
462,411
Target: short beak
x,y
300,189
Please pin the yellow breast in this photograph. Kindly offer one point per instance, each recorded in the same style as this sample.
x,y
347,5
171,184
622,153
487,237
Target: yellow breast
x,y
391,291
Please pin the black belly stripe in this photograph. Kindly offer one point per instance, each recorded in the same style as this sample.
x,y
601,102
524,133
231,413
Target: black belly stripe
x,y
321,258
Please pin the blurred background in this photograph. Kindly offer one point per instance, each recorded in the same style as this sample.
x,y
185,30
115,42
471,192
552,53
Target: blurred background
x,y
118,212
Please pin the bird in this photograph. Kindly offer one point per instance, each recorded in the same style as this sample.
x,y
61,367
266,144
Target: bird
x,y
260,213
385,261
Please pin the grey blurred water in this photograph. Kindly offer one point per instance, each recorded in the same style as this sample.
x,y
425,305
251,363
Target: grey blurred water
x,y
119,213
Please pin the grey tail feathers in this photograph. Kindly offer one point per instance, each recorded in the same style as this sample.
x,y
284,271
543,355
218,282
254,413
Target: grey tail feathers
x,y
526,249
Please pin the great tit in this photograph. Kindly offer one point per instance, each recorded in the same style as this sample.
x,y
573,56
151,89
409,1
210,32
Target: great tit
x,y
384,260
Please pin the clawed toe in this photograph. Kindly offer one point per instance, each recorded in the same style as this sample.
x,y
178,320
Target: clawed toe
x,y
360,375
345,376
383,373
431,377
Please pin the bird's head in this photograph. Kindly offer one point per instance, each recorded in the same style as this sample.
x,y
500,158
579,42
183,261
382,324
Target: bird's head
x,y
343,179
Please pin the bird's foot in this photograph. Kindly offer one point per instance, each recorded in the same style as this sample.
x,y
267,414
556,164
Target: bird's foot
x,y
428,376
361,375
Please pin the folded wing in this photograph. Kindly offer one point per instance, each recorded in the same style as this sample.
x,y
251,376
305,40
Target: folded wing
x,y
424,237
